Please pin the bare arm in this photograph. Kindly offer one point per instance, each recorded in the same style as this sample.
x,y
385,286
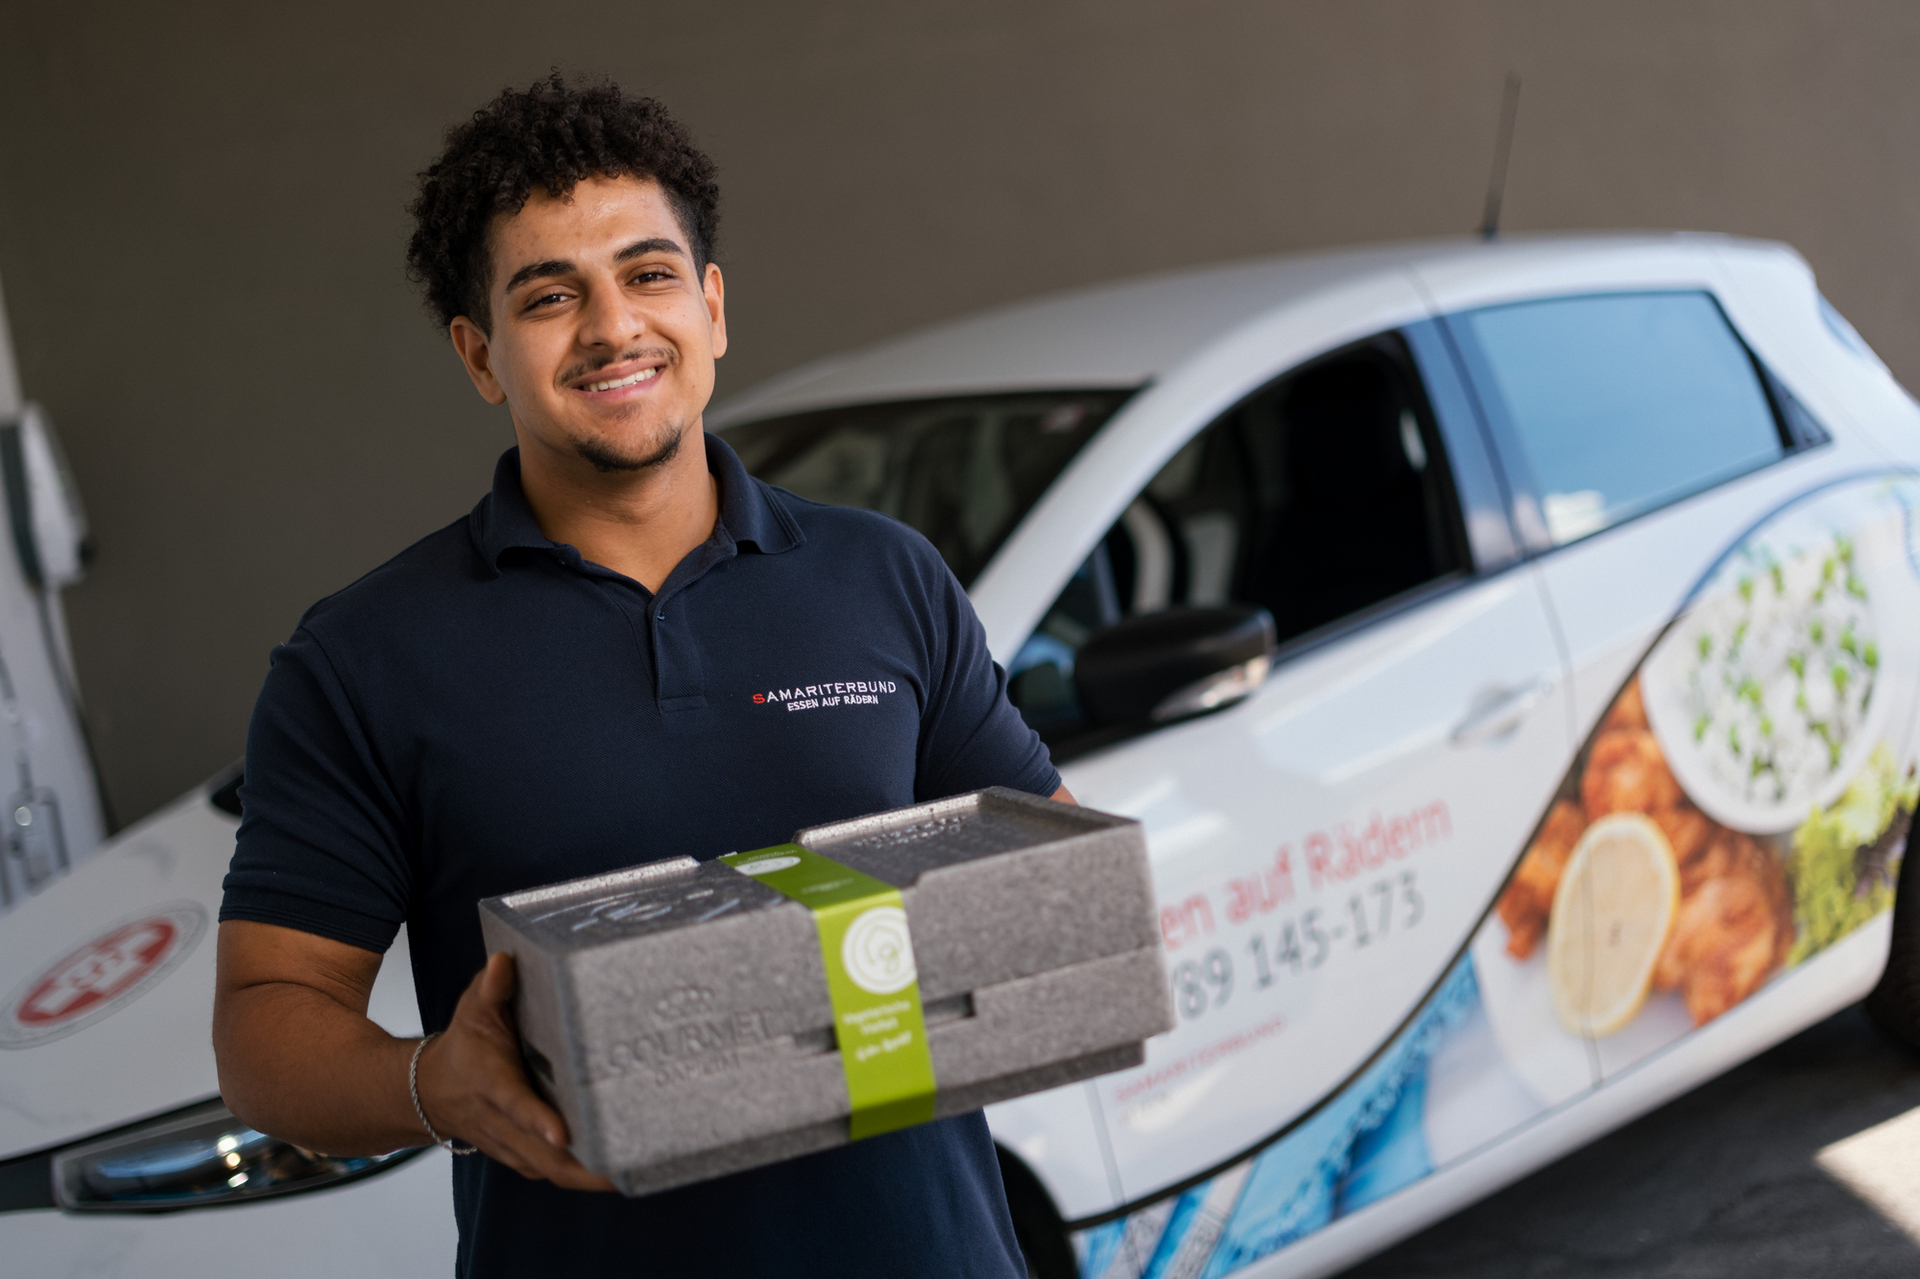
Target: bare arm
x,y
299,1058
1065,796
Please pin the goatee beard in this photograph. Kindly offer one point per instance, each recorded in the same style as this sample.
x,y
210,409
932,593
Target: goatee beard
x,y
603,458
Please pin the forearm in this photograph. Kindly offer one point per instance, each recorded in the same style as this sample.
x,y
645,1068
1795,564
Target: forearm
x,y
308,1069
299,1059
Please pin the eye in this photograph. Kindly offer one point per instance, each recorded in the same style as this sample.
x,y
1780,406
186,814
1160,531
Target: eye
x,y
544,299
651,275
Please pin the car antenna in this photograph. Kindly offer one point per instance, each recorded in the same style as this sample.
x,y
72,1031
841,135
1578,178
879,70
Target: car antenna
x,y
1503,145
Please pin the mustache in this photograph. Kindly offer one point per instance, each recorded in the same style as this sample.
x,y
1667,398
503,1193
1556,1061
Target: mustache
x,y
587,368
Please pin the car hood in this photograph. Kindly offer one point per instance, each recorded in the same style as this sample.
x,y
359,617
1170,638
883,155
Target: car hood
x,y
108,978
107,974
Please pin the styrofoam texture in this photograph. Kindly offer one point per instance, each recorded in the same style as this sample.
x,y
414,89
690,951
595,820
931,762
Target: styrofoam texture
x,y
677,1014
1020,1037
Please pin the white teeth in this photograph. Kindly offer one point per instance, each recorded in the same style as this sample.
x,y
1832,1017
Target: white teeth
x,y
642,376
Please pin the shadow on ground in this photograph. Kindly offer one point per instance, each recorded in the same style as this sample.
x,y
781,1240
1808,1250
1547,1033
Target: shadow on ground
x,y
1720,1182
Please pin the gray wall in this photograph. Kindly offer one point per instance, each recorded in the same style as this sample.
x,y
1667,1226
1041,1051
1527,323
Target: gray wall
x,y
201,224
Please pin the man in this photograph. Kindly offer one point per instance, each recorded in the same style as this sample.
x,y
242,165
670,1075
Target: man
x,y
562,683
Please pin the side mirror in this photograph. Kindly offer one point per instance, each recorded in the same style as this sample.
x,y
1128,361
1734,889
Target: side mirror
x,y
1165,666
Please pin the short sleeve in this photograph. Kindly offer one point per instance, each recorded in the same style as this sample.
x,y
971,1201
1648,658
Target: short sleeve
x,y
971,736
323,844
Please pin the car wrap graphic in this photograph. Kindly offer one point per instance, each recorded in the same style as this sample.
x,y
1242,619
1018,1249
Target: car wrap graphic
x,y
1740,806
106,974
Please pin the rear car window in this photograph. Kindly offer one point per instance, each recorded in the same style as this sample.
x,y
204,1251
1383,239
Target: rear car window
x,y
963,470
1622,403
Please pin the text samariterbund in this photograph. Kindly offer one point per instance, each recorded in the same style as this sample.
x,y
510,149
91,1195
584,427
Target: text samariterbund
x,y
851,692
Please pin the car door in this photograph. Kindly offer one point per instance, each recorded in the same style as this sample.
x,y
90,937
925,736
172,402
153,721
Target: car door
x,y
1662,473
1322,850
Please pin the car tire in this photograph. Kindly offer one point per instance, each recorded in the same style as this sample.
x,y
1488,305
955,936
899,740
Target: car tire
x,y
1894,1004
1036,1222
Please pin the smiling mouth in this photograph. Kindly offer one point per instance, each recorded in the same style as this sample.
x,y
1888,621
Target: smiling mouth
x,y
615,384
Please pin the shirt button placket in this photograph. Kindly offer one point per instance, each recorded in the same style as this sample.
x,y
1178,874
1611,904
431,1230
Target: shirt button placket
x,y
682,681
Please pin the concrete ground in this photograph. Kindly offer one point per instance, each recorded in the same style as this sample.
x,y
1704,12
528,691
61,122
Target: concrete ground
x,y
1719,1183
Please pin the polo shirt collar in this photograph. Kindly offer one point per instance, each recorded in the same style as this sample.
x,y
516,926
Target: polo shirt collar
x,y
748,514
747,509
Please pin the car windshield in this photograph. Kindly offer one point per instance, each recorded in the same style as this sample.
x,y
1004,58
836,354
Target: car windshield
x,y
963,470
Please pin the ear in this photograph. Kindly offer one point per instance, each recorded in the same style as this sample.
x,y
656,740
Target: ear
x,y
715,292
476,352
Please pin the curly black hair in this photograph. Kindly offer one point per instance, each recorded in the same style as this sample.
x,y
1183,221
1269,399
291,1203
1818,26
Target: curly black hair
x,y
552,135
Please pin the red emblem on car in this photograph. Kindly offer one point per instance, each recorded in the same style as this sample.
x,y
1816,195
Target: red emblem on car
x,y
91,976
108,971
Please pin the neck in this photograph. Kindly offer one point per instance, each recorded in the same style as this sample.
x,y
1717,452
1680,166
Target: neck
x,y
638,523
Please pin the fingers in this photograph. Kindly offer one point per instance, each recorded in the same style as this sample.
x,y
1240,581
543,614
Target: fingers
x,y
474,1087
496,981
533,1158
486,1007
523,1108
527,1152
525,1134
581,1179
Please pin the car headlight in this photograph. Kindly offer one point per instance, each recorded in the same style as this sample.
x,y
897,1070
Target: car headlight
x,y
196,1158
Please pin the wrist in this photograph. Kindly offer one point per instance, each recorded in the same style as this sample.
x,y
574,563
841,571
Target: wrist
x,y
419,1107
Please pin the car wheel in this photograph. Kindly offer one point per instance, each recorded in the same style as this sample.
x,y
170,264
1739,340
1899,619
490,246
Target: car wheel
x,y
1894,1004
1036,1223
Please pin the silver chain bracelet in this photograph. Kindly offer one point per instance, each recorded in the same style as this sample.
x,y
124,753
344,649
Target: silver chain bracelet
x,y
413,1091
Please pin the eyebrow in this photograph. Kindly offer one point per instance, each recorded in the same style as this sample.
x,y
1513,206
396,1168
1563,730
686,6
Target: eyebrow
x,y
560,266
640,249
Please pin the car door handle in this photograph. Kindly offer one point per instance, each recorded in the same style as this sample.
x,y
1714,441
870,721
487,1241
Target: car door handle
x,y
1498,711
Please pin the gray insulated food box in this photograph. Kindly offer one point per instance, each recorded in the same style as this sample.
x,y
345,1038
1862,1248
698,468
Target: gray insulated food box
x,y
677,1013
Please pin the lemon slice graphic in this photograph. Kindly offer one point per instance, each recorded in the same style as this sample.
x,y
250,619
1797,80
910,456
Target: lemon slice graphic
x,y
1610,918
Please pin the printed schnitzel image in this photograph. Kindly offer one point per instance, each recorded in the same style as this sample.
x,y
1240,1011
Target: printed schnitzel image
x,y
1735,923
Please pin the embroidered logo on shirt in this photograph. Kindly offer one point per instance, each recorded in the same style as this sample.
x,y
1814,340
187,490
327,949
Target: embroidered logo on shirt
x,y
805,697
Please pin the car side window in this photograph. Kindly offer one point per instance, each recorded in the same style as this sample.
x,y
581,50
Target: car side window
x,y
1622,403
1320,496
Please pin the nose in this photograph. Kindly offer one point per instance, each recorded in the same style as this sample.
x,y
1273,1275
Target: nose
x,y
610,319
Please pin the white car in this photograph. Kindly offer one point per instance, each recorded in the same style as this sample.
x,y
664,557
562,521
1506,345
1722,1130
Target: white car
x,y
1509,648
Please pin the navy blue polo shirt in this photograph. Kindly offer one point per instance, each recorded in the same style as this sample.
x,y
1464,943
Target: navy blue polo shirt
x,y
488,712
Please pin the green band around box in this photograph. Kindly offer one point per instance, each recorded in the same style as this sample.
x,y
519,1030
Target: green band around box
x,y
877,1018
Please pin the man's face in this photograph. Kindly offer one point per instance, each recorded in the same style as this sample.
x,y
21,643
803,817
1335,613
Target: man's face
x,y
604,335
